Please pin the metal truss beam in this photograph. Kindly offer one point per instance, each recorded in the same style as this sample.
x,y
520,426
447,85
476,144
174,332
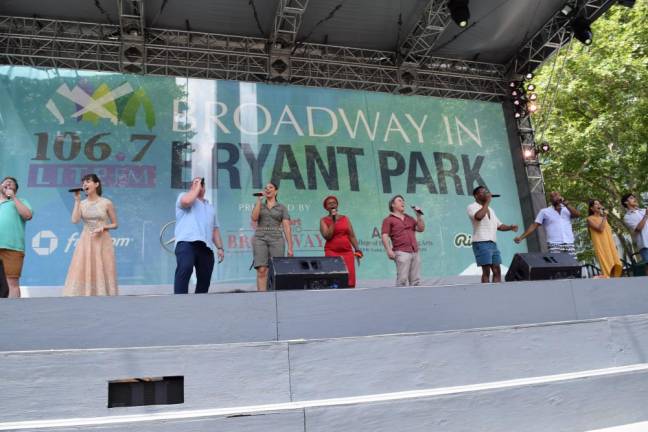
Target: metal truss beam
x,y
287,22
553,35
423,37
49,43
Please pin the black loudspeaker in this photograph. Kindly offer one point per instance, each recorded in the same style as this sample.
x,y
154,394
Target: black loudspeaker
x,y
4,285
285,273
543,266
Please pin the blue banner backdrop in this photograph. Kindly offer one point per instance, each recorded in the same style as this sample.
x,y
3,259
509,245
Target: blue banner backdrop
x,y
147,136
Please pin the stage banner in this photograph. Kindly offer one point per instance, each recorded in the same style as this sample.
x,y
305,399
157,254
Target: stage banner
x,y
147,136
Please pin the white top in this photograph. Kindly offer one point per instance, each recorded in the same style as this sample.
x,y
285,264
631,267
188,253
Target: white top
x,y
631,220
485,229
557,225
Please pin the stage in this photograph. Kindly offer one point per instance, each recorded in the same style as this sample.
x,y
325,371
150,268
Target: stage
x,y
451,358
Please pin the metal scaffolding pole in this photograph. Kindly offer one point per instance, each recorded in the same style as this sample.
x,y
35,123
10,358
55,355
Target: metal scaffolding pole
x,y
56,43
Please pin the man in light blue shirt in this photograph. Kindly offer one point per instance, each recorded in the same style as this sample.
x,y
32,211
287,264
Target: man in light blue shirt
x,y
556,220
635,219
197,237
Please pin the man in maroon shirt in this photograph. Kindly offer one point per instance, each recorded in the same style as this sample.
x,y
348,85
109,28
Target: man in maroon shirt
x,y
399,239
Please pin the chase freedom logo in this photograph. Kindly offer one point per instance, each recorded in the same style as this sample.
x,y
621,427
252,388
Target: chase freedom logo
x,y
91,104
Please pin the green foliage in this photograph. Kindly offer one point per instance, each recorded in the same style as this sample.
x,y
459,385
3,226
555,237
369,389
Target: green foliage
x,y
595,121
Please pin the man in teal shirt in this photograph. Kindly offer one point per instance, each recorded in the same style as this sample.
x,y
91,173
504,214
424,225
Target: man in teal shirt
x,y
14,212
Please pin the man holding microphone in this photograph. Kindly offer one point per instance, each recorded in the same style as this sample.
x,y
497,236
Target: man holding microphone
x,y
556,220
14,212
399,239
485,226
197,237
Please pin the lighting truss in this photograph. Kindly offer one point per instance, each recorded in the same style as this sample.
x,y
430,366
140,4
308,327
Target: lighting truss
x,y
420,42
287,21
554,35
547,41
67,44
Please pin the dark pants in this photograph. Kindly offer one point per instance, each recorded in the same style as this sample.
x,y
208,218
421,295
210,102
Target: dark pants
x,y
189,255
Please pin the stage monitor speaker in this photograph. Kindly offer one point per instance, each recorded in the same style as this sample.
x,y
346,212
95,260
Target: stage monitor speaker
x,y
4,286
285,273
543,266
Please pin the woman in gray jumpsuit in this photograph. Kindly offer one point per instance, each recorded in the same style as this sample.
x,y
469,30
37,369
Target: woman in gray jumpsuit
x,y
272,226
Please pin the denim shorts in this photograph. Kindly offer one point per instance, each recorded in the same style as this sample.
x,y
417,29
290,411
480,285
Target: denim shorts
x,y
486,253
644,254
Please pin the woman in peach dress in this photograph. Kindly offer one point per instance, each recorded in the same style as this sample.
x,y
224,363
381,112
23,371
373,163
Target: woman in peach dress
x,y
92,271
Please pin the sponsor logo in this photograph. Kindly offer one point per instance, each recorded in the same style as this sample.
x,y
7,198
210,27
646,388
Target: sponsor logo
x,y
44,243
167,237
118,242
93,104
462,240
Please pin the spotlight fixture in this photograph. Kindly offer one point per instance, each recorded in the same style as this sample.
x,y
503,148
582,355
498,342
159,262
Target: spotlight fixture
x,y
582,31
545,147
532,107
459,12
528,76
528,153
567,10
533,96
531,87
513,84
519,112
515,93
516,102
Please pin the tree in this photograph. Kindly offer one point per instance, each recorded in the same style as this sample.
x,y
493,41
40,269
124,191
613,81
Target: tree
x,y
595,110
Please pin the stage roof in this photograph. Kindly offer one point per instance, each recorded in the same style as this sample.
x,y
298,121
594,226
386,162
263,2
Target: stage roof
x,y
401,31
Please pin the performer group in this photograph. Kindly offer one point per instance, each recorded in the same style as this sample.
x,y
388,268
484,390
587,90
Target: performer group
x,y
198,240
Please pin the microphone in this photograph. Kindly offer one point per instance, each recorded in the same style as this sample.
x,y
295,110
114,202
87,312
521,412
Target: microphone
x,y
75,190
417,210
257,194
496,195
334,214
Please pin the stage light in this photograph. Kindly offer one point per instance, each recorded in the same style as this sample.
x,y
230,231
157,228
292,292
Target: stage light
x,y
519,113
515,93
531,107
279,65
533,96
545,147
582,30
528,153
459,12
516,102
528,76
627,3
531,87
566,10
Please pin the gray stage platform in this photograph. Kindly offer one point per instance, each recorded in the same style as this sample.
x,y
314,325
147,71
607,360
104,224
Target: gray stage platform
x,y
130,321
453,358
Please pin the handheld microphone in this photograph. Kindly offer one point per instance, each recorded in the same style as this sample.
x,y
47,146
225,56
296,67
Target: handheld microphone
x,y
75,190
257,194
417,210
496,195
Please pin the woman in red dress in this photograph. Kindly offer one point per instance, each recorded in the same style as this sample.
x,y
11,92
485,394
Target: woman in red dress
x,y
340,238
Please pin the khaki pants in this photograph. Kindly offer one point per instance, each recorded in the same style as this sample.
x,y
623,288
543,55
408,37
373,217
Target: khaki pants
x,y
408,268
